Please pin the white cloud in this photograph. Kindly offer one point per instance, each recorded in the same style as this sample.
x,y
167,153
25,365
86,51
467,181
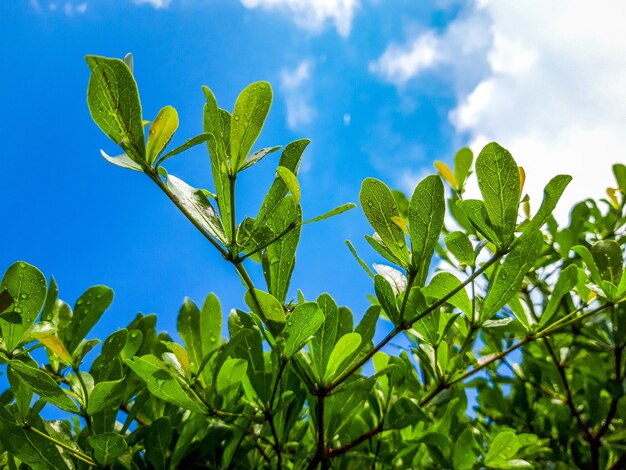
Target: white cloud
x,y
69,8
552,89
297,95
313,15
398,64
155,3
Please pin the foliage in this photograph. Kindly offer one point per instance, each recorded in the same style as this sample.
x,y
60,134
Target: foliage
x,y
300,384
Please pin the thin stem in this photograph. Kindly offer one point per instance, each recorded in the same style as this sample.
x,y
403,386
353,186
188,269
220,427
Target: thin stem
x,y
362,438
85,396
79,455
293,225
406,324
567,389
233,218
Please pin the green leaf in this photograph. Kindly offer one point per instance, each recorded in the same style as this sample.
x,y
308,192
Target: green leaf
x,y
462,164
607,256
444,283
161,383
257,156
197,140
509,275
378,245
342,355
27,446
566,282
290,159
251,109
379,207
619,171
107,447
188,326
461,248
157,443
230,376
395,278
290,181
499,183
386,297
218,142
106,394
279,258
210,324
198,205
358,258
336,211
324,340
161,132
22,393
466,451
122,160
426,212
114,104
504,446
43,385
271,308
587,257
476,213
402,413
551,195
302,323
88,309
26,286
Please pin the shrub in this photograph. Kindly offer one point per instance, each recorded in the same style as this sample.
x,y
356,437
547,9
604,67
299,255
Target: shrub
x,y
300,385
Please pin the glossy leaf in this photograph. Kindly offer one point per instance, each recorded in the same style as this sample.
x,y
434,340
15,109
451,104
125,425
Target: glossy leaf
x,y
198,205
105,395
302,324
26,286
188,326
510,273
462,163
43,385
290,181
218,142
279,258
114,104
341,355
210,324
332,213
161,383
379,207
290,159
395,278
251,109
197,140
460,246
230,376
499,183
476,214
566,282
444,283
122,160
608,257
161,132
426,213
88,309
271,308
257,156
107,447
325,337
551,195
386,298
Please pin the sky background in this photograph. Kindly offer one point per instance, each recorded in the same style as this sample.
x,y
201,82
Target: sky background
x,y
382,87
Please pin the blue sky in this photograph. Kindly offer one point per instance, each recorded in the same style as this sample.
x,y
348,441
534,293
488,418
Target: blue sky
x,y
382,88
